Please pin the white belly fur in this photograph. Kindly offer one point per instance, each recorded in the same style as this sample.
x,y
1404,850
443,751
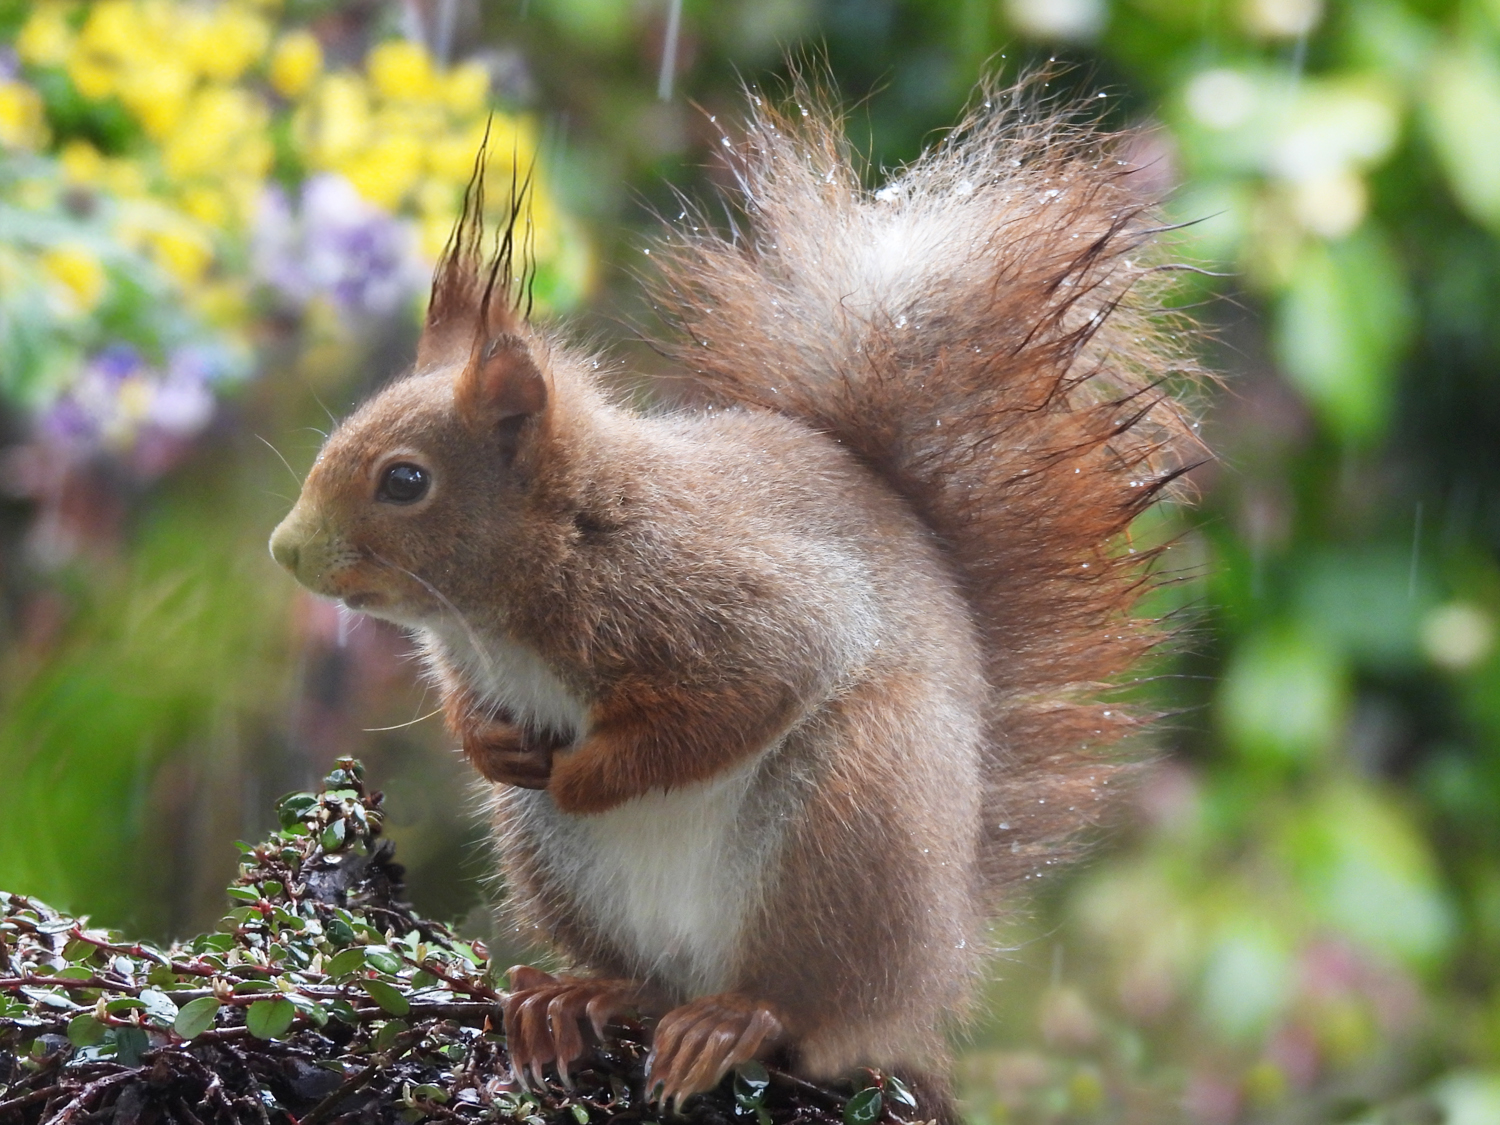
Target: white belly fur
x,y
670,877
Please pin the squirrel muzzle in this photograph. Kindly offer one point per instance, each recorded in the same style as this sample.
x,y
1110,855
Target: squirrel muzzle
x,y
305,546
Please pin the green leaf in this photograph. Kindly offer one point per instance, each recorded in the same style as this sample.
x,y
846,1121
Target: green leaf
x,y
466,951
269,1019
52,998
243,894
863,1108
338,931
1283,699
333,836
196,1017
348,961
342,1010
85,1031
751,1079
383,958
130,1043
79,950
160,1009
580,1112
314,1011
387,996
295,807
1463,119
387,1033
899,1094
1341,329
123,1004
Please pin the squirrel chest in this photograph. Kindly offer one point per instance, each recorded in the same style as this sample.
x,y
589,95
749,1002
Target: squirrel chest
x,y
670,876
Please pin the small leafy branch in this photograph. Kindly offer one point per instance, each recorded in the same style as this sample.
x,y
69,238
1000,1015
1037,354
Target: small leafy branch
x,y
321,998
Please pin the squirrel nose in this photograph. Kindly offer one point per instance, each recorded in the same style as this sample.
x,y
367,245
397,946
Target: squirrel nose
x,y
285,546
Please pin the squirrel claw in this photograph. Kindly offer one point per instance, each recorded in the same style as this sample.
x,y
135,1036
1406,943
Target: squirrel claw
x,y
543,1017
696,1044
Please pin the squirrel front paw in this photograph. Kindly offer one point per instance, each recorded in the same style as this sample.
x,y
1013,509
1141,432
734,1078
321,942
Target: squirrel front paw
x,y
509,754
696,1044
544,1015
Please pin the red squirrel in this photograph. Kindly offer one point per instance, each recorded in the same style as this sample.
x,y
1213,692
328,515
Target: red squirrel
x,y
785,689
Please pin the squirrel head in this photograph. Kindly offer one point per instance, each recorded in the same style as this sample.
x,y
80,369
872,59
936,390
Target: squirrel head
x,y
436,469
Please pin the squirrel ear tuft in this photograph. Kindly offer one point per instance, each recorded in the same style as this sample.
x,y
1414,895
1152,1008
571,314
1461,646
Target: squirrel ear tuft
x,y
500,381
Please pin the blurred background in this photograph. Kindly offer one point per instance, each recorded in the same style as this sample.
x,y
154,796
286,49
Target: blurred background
x,y
216,225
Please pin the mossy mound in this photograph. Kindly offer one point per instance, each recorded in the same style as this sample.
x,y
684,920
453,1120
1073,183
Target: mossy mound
x,y
321,999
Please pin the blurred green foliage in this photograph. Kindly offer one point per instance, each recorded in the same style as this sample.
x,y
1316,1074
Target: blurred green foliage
x,y
1304,925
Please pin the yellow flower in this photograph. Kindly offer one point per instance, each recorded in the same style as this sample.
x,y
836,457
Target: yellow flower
x,y
124,178
401,71
387,170
224,304
174,241
157,94
228,42
115,31
209,205
435,198
92,73
419,119
22,124
295,63
82,163
333,124
434,231
512,141
80,273
466,89
223,131
183,249
45,38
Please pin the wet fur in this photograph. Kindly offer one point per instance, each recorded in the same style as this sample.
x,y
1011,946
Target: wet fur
x,y
824,646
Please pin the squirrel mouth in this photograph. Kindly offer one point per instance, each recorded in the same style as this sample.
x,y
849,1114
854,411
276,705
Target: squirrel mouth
x,y
361,600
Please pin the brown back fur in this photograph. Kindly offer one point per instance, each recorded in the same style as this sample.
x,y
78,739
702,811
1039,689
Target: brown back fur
x,y
981,332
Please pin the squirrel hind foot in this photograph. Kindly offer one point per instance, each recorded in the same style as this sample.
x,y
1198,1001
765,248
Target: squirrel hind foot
x,y
696,1044
544,1017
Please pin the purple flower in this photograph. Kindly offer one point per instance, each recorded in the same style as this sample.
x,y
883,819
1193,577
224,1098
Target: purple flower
x,y
335,245
121,406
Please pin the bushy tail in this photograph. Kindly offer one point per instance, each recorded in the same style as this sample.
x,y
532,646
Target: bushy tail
x,y
980,330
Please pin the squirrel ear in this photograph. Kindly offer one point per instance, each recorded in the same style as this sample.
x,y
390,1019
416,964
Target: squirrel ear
x,y
500,381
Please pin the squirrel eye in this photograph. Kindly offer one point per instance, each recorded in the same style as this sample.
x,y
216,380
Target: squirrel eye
x,y
403,484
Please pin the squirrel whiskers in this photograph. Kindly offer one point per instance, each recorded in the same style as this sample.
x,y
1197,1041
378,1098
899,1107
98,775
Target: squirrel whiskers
x,y
781,691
